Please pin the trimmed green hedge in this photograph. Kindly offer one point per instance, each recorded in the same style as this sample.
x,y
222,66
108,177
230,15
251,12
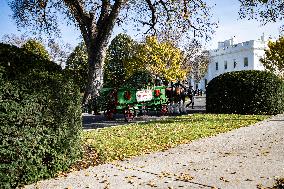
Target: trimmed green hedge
x,y
17,61
40,120
245,92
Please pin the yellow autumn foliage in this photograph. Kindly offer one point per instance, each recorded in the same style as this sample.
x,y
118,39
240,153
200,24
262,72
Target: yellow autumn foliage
x,y
274,57
125,58
161,59
133,64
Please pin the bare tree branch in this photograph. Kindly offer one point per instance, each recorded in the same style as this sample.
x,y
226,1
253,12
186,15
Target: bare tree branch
x,y
97,18
153,15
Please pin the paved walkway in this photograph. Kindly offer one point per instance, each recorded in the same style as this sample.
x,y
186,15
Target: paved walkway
x,y
244,158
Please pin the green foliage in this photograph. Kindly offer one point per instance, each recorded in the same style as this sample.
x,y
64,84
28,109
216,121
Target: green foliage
x,y
135,139
36,48
40,118
128,62
77,66
139,80
18,61
274,57
245,92
120,62
96,24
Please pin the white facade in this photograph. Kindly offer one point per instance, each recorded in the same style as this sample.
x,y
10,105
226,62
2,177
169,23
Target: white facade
x,y
230,57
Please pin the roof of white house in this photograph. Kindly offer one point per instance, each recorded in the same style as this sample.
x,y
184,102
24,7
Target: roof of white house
x,y
228,46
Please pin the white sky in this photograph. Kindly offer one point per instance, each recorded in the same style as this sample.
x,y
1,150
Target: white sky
x,y
226,11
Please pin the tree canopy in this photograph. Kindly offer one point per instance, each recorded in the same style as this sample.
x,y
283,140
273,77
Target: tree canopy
x,y
37,48
199,65
274,57
57,50
120,60
32,45
128,59
162,59
196,60
77,65
96,19
263,10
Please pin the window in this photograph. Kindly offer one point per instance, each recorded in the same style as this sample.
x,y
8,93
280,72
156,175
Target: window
x,y
217,67
246,62
225,65
235,63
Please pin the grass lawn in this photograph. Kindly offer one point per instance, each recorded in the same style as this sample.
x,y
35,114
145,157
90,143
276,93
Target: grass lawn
x,y
116,143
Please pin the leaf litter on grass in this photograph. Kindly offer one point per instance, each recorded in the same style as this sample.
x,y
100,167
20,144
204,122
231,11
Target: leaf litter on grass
x,y
120,142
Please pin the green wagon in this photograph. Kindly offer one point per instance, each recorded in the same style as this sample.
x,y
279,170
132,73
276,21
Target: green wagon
x,y
132,102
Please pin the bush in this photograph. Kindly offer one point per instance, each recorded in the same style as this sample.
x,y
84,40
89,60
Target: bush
x,y
245,92
17,61
40,120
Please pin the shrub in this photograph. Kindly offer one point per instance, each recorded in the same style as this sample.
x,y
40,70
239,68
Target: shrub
x,y
40,120
245,92
17,61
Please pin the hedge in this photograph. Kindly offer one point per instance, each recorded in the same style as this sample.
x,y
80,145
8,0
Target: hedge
x,y
40,119
245,92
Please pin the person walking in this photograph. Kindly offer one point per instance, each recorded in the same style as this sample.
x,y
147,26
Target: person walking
x,y
190,94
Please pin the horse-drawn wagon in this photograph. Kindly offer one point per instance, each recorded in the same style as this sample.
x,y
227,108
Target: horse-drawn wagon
x,y
132,101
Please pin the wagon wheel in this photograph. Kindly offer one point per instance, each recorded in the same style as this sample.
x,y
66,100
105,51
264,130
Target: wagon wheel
x,y
129,113
109,113
164,110
143,110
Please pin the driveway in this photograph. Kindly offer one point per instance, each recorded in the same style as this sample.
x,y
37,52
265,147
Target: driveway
x,y
249,157
91,121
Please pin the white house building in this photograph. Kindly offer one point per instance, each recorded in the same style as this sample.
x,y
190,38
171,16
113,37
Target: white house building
x,y
230,57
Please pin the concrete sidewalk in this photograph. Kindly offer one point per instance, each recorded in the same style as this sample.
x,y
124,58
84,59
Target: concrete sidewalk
x,y
244,158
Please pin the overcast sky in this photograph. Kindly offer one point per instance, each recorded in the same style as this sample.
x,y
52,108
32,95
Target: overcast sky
x,y
226,11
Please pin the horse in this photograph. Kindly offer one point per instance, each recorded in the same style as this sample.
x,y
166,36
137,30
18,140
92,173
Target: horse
x,y
176,94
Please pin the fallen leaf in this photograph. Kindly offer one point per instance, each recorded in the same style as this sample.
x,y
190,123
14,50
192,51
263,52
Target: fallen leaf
x,y
152,184
223,179
248,180
185,177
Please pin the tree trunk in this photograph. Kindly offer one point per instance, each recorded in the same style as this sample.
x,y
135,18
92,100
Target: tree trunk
x,y
96,38
95,60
